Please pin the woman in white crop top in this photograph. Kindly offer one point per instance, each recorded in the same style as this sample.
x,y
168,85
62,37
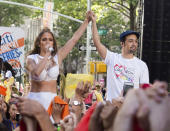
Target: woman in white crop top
x,y
43,64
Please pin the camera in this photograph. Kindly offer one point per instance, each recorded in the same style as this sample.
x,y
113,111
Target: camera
x,y
126,87
18,117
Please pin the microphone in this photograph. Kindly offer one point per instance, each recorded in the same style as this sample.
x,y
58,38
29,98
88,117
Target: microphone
x,y
51,49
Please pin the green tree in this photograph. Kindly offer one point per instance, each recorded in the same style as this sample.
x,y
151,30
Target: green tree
x,y
15,15
12,14
111,21
38,3
127,8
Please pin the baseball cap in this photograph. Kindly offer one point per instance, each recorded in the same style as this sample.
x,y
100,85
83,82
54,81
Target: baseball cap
x,y
129,32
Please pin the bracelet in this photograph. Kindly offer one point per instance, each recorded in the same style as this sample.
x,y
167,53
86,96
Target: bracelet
x,y
56,125
58,128
76,103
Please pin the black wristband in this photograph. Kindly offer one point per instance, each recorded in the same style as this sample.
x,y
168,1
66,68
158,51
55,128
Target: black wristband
x,y
56,124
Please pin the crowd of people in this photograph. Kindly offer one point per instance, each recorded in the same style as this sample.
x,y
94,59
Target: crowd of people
x,y
142,109
93,107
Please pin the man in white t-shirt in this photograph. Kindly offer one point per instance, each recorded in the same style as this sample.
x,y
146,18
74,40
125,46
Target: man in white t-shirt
x,y
124,67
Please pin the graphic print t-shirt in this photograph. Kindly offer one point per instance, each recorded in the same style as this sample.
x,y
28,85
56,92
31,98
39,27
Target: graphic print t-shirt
x,y
120,70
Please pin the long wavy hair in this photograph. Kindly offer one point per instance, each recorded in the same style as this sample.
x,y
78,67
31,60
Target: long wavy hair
x,y
36,49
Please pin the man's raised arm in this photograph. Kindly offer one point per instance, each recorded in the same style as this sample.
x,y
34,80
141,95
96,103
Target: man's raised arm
x,y
96,39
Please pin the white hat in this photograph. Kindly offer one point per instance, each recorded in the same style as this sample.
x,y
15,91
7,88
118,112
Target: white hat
x,y
8,74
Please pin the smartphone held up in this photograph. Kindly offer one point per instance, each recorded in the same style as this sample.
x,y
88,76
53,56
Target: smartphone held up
x,y
126,87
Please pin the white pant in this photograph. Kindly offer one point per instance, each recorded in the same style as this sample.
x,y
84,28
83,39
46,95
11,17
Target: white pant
x,y
43,98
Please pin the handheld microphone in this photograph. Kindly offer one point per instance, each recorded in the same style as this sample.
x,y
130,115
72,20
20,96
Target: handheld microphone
x,y
51,49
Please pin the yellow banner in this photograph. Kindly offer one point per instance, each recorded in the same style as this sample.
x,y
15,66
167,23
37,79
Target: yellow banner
x,y
73,79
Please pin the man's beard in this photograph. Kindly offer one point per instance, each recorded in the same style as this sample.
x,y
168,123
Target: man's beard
x,y
133,50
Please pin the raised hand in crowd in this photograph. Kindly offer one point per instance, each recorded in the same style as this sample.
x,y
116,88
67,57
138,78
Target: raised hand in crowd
x,y
158,90
29,107
143,111
34,109
57,112
124,118
95,120
81,92
118,102
109,112
104,115
150,107
159,118
154,106
69,123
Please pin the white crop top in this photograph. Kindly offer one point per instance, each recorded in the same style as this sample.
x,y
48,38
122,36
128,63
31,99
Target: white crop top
x,y
46,75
